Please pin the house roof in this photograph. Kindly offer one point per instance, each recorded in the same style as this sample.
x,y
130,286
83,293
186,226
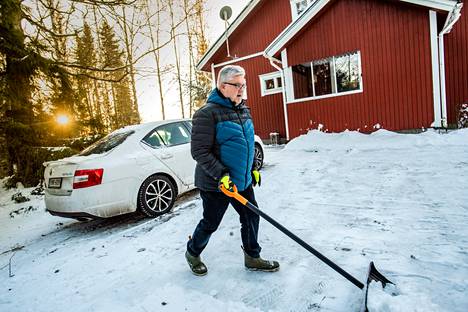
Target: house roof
x,y
295,26
289,32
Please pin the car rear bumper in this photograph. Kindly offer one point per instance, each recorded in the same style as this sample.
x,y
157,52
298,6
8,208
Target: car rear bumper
x,y
103,201
74,215
63,207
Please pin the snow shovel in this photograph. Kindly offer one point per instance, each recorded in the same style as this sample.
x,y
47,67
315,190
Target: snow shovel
x,y
372,274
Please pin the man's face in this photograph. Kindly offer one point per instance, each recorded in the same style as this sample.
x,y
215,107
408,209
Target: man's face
x,y
234,89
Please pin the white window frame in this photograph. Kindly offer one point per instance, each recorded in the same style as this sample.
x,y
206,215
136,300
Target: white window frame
x,y
294,12
334,86
275,76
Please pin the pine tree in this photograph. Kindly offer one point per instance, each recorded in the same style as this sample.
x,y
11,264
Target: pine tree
x,y
87,102
202,85
62,101
129,36
38,77
18,66
123,112
109,57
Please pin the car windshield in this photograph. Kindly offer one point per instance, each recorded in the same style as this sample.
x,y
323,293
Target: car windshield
x,y
107,143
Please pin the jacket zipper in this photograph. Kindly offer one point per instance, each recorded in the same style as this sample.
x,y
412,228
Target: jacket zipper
x,y
248,149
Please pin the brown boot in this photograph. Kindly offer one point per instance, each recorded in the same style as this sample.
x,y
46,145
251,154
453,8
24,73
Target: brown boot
x,y
196,265
259,264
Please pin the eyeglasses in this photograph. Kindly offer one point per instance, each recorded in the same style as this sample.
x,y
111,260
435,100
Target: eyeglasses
x,y
237,85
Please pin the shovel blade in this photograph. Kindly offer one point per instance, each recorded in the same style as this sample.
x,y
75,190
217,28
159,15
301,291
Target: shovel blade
x,y
373,275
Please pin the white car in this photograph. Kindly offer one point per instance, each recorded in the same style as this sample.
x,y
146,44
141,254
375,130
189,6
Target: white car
x,y
141,167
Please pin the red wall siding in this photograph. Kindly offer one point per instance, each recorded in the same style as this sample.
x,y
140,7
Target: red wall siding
x,y
267,111
456,66
394,42
257,31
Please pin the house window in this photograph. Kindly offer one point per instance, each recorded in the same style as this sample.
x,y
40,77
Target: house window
x,y
329,76
299,6
322,77
347,69
271,83
302,80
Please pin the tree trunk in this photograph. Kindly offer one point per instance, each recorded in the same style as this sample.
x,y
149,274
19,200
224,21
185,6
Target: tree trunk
x,y
103,107
155,48
18,113
176,55
191,56
129,50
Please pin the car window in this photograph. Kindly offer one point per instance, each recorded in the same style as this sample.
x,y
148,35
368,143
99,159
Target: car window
x,y
188,124
153,139
107,143
174,134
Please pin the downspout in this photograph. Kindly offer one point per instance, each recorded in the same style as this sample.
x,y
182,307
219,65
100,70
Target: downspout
x,y
452,18
283,91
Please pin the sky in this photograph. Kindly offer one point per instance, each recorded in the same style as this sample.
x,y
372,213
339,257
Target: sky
x,y
396,199
147,90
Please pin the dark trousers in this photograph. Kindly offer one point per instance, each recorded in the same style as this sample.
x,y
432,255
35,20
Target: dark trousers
x,y
214,207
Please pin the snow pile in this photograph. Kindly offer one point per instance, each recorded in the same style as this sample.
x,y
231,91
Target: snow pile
x,y
390,299
352,140
24,221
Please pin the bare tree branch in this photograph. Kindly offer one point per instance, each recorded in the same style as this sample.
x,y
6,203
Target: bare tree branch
x,y
105,69
84,74
42,27
105,2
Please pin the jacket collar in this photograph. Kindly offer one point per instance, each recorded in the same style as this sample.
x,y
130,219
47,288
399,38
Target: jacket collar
x,y
218,98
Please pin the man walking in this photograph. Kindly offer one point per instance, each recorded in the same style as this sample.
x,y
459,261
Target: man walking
x,y
223,147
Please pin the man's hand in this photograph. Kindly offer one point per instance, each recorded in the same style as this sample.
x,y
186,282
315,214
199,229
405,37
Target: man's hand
x,y
225,181
256,178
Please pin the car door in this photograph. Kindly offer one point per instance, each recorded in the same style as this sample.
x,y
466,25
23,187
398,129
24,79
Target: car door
x,y
170,143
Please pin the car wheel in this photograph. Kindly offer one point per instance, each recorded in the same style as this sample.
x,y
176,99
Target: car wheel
x,y
258,158
156,196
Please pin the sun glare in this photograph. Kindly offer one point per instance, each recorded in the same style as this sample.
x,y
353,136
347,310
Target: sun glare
x,y
62,119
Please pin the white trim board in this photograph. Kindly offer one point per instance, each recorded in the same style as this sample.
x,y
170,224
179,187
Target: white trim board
x,y
270,76
313,98
444,5
239,59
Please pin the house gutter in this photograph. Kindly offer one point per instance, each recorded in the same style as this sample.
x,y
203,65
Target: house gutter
x,y
452,18
283,91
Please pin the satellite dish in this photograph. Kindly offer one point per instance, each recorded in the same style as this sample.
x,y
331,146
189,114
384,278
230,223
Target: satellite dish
x,y
225,13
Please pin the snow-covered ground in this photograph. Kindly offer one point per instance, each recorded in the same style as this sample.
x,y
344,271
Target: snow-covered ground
x,y
398,200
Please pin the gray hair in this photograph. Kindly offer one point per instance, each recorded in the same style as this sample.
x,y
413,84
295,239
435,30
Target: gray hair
x,y
228,72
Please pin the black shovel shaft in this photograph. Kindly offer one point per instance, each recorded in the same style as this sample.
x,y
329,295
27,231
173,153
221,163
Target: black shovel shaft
x,y
291,235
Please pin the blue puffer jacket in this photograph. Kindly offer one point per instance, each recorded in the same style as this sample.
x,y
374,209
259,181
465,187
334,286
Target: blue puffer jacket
x,y
222,142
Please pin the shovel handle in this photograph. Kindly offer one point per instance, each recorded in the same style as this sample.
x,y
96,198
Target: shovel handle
x,y
232,192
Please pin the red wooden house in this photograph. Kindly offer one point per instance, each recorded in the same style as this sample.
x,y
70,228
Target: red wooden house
x,y
348,64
